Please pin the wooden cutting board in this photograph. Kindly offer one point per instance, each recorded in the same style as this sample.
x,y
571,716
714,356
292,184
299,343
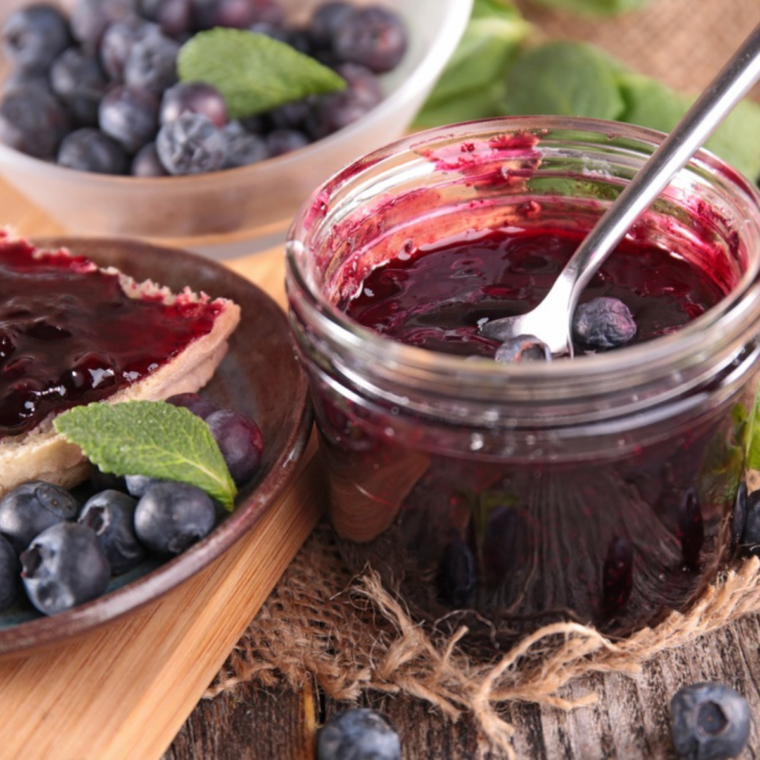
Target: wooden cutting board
x,y
124,690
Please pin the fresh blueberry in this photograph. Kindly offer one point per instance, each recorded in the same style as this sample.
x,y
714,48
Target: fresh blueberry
x,y
33,121
268,11
457,577
358,733
64,566
291,115
522,348
195,97
79,81
750,535
199,405
111,514
282,141
275,31
171,517
326,19
138,485
33,36
152,63
373,37
191,144
146,163
31,507
243,147
118,40
174,17
19,79
240,441
339,109
233,13
89,150
709,721
90,19
10,581
603,323
129,115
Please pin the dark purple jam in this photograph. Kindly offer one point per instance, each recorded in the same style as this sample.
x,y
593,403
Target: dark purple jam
x,y
616,535
69,335
435,297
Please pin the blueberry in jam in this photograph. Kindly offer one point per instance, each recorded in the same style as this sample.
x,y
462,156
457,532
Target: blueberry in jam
x,y
70,335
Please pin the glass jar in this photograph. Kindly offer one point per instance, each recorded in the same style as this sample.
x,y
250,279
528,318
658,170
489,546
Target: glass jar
x,y
505,496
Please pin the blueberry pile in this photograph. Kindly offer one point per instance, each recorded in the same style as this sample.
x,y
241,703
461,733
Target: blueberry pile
x,y
63,546
98,91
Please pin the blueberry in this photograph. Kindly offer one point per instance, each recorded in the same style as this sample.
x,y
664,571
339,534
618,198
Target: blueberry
x,y
118,40
243,147
111,514
10,580
138,485
457,578
146,163
373,37
64,566
171,517
90,19
233,13
325,22
291,115
356,734
195,97
31,507
33,121
275,31
521,349
152,63
282,141
199,405
33,36
240,441
89,150
79,81
268,11
174,17
19,79
129,115
339,109
191,144
750,535
603,323
709,721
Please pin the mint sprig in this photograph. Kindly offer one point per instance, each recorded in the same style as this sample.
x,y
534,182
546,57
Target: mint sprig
x,y
254,73
150,438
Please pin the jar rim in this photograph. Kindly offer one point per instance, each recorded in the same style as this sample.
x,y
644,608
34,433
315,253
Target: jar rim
x,y
733,315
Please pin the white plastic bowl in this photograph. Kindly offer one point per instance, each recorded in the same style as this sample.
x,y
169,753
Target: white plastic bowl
x,y
242,210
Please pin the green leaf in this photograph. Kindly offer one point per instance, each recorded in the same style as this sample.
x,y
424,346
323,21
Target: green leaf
x,y
254,73
753,447
735,139
595,7
150,438
564,78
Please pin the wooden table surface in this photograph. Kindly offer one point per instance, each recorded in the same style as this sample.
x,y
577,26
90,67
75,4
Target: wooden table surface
x,y
629,721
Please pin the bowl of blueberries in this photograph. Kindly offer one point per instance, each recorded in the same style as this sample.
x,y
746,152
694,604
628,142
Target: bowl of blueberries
x,y
100,130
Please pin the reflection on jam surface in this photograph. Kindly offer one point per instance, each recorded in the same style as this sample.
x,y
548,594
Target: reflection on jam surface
x,y
505,545
434,297
69,335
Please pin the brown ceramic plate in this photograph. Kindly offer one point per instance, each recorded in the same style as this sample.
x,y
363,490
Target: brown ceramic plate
x,y
259,376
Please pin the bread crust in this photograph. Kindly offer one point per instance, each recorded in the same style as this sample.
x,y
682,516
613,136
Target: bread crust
x,y
43,454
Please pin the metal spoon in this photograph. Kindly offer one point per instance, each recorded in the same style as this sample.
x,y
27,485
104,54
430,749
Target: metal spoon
x,y
550,321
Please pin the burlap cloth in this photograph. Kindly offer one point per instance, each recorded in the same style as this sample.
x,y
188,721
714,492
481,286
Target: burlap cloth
x,y
347,634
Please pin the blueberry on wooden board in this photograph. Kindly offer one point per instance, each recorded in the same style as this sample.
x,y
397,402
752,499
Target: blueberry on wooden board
x,y
358,734
709,721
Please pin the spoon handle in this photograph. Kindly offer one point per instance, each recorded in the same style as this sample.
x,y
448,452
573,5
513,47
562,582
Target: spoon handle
x,y
730,85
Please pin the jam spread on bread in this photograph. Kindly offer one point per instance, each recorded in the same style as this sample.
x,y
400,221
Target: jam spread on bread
x,y
70,334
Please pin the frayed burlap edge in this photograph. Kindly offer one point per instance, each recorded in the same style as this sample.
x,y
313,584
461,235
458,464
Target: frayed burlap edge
x,y
349,635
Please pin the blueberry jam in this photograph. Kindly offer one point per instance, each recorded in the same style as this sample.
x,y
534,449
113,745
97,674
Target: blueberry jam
x,y
69,335
503,530
435,297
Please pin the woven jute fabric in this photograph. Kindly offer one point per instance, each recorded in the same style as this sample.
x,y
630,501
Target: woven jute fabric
x,y
348,634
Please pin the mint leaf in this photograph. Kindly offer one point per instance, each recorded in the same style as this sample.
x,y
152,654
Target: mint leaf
x,y
595,7
753,446
254,73
734,139
150,438
564,78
